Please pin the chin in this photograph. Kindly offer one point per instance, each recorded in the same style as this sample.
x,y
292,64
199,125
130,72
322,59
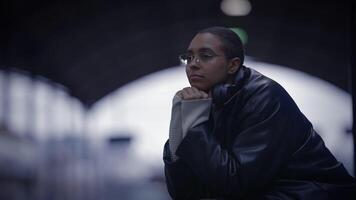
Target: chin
x,y
200,87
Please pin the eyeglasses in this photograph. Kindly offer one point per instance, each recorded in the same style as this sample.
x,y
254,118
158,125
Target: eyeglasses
x,y
187,58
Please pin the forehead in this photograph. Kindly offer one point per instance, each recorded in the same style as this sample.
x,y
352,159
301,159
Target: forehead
x,y
206,41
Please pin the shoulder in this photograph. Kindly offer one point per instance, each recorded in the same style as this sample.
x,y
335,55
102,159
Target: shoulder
x,y
263,94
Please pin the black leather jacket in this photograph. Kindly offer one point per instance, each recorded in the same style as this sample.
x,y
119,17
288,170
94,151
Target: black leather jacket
x,y
258,145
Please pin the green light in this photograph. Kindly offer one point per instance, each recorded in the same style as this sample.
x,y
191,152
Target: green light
x,y
241,33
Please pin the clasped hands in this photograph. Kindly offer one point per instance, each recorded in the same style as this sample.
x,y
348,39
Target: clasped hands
x,y
191,93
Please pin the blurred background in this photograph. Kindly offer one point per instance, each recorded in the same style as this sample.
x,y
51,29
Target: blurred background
x,y
86,86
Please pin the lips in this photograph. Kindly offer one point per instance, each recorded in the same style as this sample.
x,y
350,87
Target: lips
x,y
195,77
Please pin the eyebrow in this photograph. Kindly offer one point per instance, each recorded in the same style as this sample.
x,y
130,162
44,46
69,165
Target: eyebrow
x,y
204,49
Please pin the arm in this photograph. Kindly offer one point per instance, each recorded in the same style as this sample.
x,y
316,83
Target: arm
x,y
185,114
256,156
180,179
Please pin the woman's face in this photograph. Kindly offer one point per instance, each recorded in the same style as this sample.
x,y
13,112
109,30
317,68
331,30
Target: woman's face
x,y
207,65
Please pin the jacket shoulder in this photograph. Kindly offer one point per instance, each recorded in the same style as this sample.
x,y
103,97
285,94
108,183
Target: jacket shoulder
x,y
261,92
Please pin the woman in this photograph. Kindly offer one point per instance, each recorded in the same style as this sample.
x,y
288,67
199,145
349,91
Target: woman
x,y
236,134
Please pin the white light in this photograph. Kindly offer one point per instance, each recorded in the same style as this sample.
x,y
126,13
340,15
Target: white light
x,y
236,7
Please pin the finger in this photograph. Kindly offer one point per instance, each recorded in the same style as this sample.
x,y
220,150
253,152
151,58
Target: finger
x,y
195,93
188,94
185,94
189,90
201,94
198,93
204,95
195,89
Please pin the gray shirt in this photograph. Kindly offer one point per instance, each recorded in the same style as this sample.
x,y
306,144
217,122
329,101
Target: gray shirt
x,y
185,115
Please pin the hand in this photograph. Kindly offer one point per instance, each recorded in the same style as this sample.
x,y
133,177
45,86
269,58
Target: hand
x,y
190,93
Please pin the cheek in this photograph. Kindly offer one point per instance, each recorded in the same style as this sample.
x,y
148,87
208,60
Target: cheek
x,y
217,75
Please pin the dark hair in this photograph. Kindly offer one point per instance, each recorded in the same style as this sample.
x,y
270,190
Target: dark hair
x,y
232,44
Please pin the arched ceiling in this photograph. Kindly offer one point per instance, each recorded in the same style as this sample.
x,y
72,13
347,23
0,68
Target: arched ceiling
x,y
94,47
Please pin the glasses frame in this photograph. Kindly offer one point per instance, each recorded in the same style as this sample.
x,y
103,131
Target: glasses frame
x,y
197,57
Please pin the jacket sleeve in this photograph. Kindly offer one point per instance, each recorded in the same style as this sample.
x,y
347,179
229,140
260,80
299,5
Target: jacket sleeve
x,y
180,179
257,153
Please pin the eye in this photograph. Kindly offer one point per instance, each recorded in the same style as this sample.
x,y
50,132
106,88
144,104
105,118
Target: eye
x,y
205,56
189,58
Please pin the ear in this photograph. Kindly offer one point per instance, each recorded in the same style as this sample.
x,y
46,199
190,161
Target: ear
x,y
234,65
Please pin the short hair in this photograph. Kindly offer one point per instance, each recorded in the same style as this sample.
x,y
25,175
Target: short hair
x,y
232,44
